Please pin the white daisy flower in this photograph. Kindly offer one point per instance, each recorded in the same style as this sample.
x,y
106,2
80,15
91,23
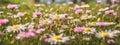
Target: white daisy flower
x,y
101,23
92,23
1,12
54,39
87,38
116,32
16,28
61,16
85,6
77,6
30,25
46,21
84,17
64,26
111,23
76,20
105,34
89,30
70,3
104,9
18,15
70,17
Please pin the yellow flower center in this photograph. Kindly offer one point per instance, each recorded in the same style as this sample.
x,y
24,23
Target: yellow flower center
x,y
76,19
93,22
26,18
56,16
45,21
98,19
101,9
15,26
46,15
109,23
85,5
56,38
25,12
86,16
87,29
104,34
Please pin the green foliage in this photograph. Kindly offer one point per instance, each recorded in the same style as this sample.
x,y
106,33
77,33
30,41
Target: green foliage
x,y
3,2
